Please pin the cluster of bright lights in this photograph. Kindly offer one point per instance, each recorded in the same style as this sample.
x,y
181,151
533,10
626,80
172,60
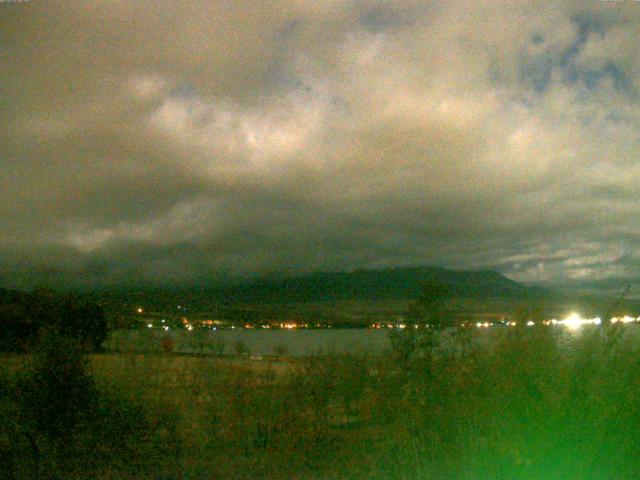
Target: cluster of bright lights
x,y
389,325
292,325
625,319
164,327
573,321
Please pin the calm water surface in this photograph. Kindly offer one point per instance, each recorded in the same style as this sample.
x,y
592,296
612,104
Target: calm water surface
x,y
292,342
257,342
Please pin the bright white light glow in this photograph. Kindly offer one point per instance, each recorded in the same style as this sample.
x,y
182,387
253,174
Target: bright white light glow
x,y
574,321
625,319
483,325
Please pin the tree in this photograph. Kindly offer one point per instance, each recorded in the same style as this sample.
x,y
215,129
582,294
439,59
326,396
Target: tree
x,y
57,422
23,316
414,340
51,396
428,308
58,388
84,321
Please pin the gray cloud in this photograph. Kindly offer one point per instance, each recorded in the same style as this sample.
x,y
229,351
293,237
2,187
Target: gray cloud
x,y
171,142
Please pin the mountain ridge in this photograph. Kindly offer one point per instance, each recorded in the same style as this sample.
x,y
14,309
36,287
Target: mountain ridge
x,y
388,283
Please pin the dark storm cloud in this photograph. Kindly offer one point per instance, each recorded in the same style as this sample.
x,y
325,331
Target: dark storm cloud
x,y
171,142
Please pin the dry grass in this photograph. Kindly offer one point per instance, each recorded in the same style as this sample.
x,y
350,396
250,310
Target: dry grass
x,y
528,405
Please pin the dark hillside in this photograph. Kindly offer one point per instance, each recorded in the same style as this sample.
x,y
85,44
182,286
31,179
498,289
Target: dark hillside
x,y
395,283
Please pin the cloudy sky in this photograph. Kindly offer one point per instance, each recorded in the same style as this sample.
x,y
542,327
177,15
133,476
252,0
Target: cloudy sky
x,y
176,141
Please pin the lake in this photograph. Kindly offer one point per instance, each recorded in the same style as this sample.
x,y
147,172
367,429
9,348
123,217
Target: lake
x,y
257,342
301,342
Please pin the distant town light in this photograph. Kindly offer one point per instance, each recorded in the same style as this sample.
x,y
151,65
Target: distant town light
x,y
574,321
625,319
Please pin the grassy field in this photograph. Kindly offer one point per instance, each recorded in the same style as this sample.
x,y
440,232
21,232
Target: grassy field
x,y
532,404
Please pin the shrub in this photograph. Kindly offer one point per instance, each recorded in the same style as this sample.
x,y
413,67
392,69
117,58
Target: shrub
x,y
64,426
167,344
240,348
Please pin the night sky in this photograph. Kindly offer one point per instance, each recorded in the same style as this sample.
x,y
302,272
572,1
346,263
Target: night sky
x,y
173,142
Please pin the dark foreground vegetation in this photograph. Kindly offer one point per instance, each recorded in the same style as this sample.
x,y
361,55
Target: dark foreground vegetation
x,y
24,315
531,403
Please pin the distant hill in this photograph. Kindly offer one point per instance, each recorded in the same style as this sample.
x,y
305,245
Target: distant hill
x,y
393,283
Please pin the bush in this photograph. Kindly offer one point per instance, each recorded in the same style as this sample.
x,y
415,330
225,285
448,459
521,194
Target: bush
x,y
167,344
531,403
240,348
62,425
